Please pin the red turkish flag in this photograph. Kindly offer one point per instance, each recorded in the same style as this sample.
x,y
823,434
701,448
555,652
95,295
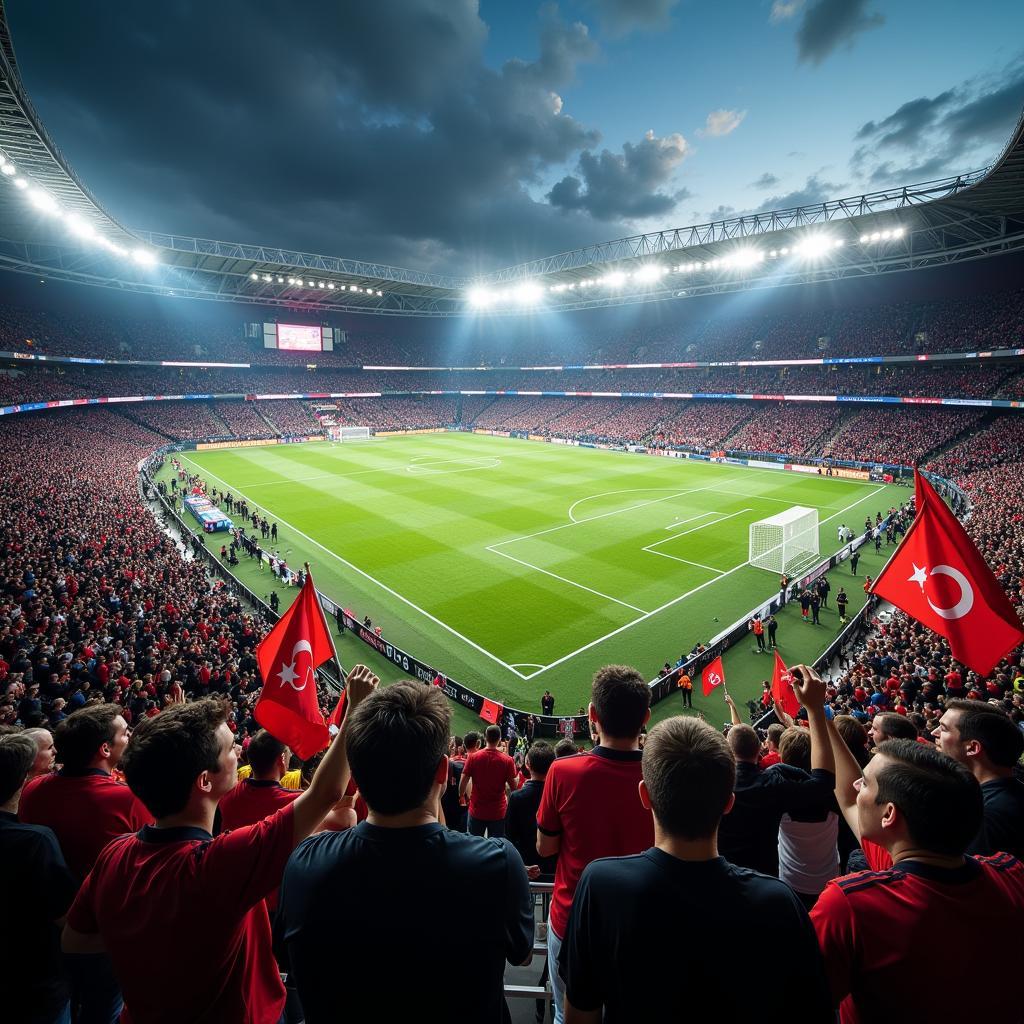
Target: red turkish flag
x,y
338,713
713,675
940,578
491,711
288,657
782,688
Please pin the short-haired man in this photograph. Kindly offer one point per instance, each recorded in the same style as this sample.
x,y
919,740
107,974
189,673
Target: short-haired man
x,y
493,775
39,891
521,816
621,957
182,913
82,803
590,807
749,833
360,910
983,739
888,725
261,794
914,811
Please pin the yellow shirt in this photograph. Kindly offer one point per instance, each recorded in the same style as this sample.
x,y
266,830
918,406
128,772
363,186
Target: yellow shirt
x,y
290,780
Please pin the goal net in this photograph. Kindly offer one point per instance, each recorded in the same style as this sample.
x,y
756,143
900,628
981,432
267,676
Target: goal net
x,y
787,542
343,434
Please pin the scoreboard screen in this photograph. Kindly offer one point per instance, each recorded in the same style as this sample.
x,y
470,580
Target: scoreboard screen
x,y
299,338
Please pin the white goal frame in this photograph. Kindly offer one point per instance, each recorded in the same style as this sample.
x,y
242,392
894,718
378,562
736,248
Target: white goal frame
x,y
343,434
786,542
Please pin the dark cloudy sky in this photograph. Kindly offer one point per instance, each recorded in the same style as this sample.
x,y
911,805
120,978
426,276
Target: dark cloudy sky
x,y
458,136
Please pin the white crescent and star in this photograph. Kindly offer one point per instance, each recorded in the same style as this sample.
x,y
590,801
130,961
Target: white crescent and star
x,y
288,675
954,611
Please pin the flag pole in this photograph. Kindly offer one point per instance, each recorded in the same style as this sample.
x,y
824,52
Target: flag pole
x,y
327,628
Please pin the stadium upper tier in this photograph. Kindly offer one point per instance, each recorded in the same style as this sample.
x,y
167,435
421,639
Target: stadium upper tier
x,y
978,323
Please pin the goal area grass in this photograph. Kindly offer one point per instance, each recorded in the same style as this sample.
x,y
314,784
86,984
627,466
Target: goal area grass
x,y
515,566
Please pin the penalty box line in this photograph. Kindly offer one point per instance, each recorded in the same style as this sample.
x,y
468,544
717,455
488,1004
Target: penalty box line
x,y
689,593
361,572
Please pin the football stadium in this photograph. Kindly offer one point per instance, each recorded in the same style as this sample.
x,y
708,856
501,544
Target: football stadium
x,y
621,594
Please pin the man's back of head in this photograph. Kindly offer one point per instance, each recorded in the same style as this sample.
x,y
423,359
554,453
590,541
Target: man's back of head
x,y
744,743
81,736
493,735
266,753
621,701
472,741
892,726
397,739
539,758
689,773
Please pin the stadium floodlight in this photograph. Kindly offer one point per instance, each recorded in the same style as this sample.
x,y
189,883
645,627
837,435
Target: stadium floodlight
x,y
21,183
145,256
9,169
480,298
309,284
814,246
79,227
43,201
616,279
320,284
649,273
330,286
897,232
746,257
380,294
255,276
529,293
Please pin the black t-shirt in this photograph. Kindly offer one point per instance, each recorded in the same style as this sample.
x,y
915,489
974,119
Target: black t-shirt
x,y
40,890
749,833
454,810
521,826
1002,826
648,934
547,705
366,917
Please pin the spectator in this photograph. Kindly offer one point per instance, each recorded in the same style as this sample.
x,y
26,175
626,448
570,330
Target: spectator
x,y
197,898
492,774
983,739
749,833
547,703
889,726
261,794
620,954
521,816
590,807
40,890
46,752
344,892
914,811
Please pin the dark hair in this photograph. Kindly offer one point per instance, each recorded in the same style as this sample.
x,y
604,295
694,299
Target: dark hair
x,y
492,734
896,727
854,736
565,748
263,752
938,797
17,755
396,739
168,752
744,742
795,748
775,732
621,701
472,740
1002,740
690,773
541,757
79,737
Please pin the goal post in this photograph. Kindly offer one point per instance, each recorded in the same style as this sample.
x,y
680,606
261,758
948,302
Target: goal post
x,y
349,434
785,542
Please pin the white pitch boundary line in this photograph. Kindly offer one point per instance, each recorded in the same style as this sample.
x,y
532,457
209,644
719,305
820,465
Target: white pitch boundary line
x,y
694,529
676,600
685,561
366,575
563,579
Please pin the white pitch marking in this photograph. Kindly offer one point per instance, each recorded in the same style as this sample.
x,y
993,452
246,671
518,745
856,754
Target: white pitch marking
x,y
683,522
563,579
695,529
367,576
685,561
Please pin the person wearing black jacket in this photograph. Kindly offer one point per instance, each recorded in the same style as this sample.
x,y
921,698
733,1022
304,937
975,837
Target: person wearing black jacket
x,y
521,815
749,833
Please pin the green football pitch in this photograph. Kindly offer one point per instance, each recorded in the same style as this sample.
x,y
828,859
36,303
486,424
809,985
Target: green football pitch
x,y
516,567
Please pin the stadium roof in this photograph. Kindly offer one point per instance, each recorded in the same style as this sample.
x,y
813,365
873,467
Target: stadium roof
x,y
51,226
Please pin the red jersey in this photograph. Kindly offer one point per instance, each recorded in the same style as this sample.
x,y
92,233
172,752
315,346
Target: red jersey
x,y
870,927
253,800
183,918
489,769
85,812
593,802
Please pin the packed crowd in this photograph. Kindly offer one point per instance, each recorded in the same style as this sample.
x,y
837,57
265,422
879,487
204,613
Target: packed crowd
x,y
796,430
106,628
899,435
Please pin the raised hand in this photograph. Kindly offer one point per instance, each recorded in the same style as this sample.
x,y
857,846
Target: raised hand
x,y
808,686
360,683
